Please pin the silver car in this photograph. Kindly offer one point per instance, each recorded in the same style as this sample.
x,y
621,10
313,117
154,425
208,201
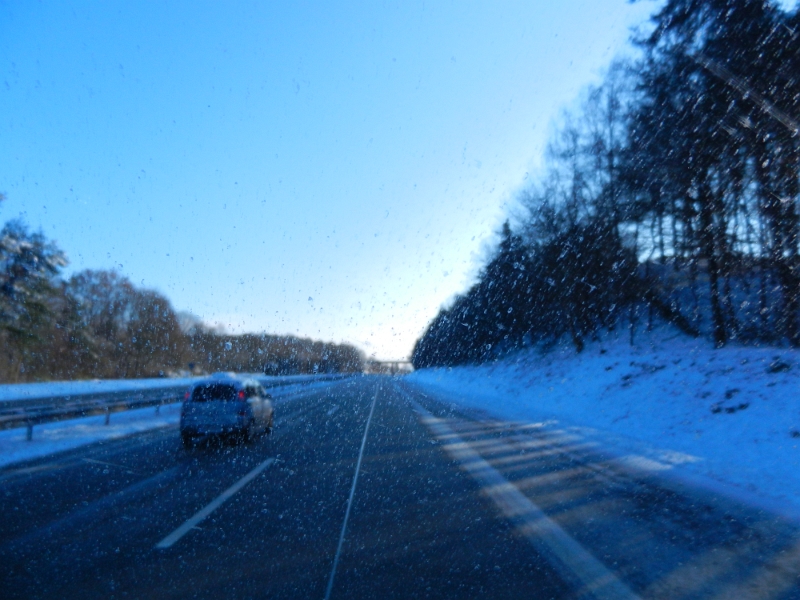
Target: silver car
x,y
223,406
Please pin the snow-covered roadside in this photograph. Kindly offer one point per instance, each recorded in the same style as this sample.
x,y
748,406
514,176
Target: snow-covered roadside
x,y
30,391
24,391
51,438
730,415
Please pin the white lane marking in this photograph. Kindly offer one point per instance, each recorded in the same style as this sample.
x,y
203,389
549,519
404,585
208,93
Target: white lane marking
x,y
333,410
214,505
108,464
35,469
350,499
538,528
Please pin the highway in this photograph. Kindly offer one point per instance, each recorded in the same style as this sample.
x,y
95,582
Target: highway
x,y
369,488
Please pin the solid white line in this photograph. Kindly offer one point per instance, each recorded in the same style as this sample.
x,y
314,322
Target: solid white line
x,y
214,505
350,499
538,528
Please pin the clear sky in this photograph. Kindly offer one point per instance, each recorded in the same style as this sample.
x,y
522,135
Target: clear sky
x,y
330,170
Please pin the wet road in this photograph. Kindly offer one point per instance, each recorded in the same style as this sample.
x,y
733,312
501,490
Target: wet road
x,y
367,489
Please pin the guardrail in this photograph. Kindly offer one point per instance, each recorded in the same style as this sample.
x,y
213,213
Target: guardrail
x,y
28,412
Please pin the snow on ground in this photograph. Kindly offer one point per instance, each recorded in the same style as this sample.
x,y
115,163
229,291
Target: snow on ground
x,y
50,438
729,416
50,389
23,391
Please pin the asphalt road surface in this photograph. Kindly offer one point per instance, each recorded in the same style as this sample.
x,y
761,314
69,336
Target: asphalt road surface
x,y
369,488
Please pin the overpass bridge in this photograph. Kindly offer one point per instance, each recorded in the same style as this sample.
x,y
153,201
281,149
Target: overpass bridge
x,y
389,367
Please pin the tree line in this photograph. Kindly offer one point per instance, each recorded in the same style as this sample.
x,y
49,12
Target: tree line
x,y
97,324
669,194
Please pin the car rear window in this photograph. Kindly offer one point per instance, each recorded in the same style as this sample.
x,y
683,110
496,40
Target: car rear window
x,y
213,391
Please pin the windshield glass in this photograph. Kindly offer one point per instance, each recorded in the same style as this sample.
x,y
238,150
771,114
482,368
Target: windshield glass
x,y
214,391
422,299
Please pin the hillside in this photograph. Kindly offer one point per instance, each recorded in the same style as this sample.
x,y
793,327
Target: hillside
x,y
727,418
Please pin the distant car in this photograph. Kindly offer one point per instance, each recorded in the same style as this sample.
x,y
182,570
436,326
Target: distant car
x,y
223,406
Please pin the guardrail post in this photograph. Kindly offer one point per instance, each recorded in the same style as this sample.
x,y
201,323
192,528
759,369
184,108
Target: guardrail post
x,y
108,416
29,432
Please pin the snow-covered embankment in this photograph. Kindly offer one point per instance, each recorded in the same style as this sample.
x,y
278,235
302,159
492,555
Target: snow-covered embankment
x,y
729,416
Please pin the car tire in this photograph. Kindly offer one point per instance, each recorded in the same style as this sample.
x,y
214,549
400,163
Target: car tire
x,y
248,433
187,440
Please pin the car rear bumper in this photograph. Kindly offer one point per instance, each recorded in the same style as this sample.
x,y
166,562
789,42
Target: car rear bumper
x,y
199,428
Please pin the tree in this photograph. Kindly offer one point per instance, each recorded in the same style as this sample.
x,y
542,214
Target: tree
x,y
714,75
29,265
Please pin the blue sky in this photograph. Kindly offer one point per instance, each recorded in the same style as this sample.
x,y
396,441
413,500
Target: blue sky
x,y
331,170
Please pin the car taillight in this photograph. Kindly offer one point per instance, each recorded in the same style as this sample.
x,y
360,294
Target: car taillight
x,y
186,396
240,396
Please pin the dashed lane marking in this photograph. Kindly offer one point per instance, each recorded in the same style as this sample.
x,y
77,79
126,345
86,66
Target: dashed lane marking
x,y
214,505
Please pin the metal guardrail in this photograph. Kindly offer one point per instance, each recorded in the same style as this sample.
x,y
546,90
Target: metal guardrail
x,y
36,411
